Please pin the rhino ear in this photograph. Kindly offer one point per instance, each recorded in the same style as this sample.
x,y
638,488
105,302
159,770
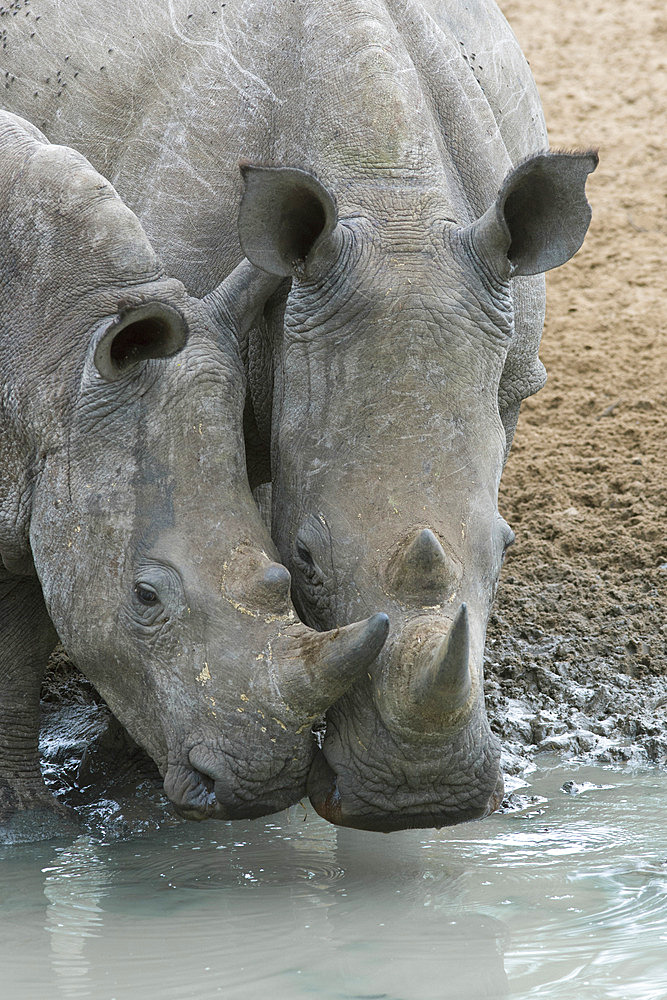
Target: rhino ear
x,y
237,301
285,215
150,330
540,217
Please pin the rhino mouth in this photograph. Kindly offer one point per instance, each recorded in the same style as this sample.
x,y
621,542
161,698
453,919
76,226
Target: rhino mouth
x,y
332,804
200,792
191,792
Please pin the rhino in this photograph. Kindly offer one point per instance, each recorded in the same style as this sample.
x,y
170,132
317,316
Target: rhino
x,y
127,527
396,175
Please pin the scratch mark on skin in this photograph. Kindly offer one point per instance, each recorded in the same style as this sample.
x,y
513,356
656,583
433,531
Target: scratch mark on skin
x,y
175,158
228,55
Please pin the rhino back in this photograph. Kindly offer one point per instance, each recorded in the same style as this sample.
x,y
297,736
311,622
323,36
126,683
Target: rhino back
x,y
164,100
391,94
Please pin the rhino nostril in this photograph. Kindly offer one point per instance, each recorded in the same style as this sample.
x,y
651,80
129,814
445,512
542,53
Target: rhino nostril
x,y
191,791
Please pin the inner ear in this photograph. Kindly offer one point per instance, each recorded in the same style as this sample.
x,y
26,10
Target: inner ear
x,y
303,220
285,214
534,200
151,330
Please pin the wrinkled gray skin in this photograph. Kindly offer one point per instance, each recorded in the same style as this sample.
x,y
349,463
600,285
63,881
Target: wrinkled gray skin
x,y
390,387
126,522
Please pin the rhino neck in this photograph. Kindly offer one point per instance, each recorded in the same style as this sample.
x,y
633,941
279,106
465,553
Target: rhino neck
x,y
406,103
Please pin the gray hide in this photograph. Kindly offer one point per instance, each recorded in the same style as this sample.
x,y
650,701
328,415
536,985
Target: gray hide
x,y
126,522
414,235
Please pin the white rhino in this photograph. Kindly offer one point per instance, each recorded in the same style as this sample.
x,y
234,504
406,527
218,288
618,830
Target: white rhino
x,y
127,526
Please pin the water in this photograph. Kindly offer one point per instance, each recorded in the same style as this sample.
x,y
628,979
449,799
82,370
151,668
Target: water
x,y
564,899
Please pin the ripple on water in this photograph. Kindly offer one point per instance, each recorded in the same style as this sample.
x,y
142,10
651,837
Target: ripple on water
x,y
597,911
566,905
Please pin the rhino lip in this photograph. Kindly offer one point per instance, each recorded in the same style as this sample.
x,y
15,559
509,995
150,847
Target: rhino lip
x,y
327,800
331,807
198,795
497,796
191,791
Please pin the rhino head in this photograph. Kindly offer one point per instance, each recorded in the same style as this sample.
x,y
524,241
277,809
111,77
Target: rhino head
x,y
157,571
387,452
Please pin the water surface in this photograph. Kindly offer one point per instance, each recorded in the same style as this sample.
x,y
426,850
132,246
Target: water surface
x,y
566,898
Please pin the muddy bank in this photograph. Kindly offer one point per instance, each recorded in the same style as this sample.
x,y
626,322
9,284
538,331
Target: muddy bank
x,y
548,692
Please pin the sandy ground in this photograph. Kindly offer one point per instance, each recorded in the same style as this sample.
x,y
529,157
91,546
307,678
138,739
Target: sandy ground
x,y
583,594
577,650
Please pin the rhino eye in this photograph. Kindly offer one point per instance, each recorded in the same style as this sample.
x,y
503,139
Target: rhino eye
x,y
304,555
146,594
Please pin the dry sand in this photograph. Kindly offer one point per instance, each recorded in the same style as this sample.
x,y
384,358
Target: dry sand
x,y
583,593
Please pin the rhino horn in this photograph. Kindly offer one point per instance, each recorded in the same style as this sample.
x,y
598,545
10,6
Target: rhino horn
x,y
442,685
421,566
424,553
325,664
270,588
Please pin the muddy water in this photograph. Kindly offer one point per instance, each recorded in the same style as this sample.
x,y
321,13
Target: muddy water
x,y
564,898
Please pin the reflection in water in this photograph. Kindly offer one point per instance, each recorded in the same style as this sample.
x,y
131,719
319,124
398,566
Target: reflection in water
x,y
74,884
400,926
566,902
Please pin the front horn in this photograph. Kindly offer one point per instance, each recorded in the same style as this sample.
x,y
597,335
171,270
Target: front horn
x,y
442,684
317,668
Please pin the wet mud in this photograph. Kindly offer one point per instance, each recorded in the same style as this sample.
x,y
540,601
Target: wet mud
x,y
92,765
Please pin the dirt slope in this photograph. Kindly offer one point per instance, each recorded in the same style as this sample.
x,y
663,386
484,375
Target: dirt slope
x,y
584,591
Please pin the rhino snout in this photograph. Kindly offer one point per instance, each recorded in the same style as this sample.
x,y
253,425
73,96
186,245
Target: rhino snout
x,y
343,800
197,795
191,791
207,783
